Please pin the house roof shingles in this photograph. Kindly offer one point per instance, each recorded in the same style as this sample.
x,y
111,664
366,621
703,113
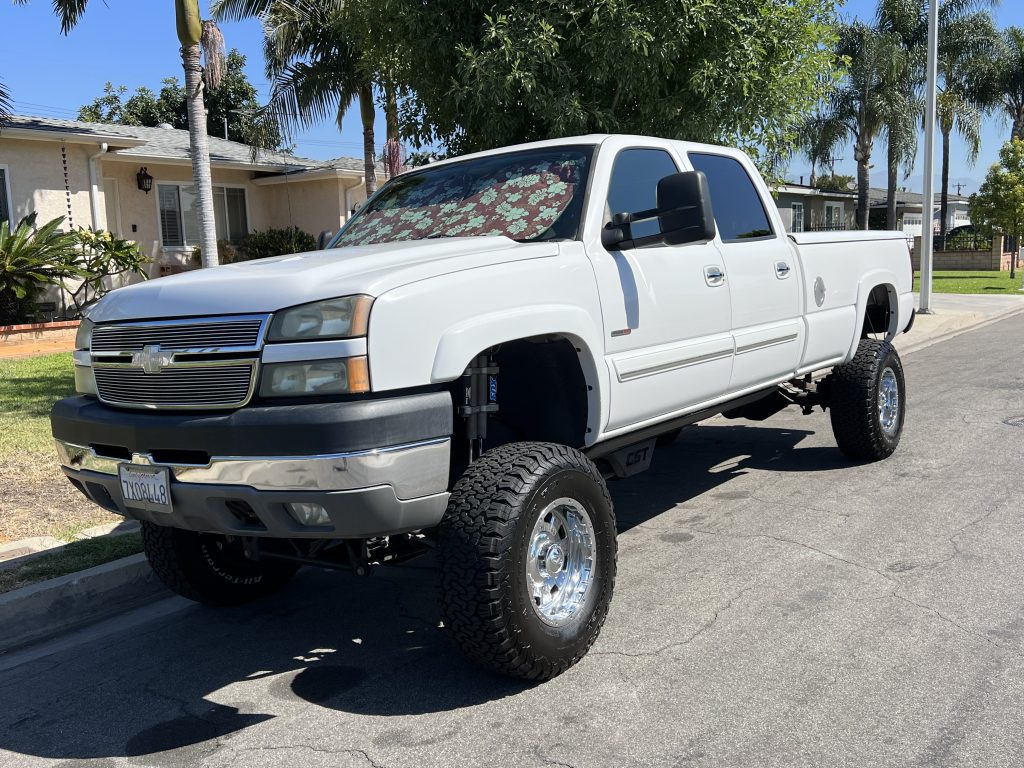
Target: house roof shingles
x,y
173,144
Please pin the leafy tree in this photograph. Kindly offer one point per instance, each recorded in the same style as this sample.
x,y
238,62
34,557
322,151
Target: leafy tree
x,y
476,74
836,181
235,98
1000,200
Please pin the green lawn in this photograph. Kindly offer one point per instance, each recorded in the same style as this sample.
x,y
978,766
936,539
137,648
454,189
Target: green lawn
x,y
972,282
28,389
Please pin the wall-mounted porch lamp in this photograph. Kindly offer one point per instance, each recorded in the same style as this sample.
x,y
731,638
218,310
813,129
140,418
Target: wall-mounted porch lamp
x,y
145,180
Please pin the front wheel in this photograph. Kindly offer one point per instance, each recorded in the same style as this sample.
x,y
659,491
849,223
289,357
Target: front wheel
x,y
868,402
210,568
527,553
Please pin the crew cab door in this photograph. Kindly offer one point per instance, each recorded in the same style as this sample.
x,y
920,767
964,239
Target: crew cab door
x,y
761,269
666,309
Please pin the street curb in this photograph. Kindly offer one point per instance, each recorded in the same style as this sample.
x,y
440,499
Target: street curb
x,y
911,348
55,606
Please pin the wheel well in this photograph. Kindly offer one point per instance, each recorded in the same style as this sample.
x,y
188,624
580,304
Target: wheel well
x,y
879,312
541,393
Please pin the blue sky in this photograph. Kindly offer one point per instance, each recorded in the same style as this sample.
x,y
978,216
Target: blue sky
x,y
132,42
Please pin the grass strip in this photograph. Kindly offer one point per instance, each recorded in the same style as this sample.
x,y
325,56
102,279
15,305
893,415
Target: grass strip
x,y
71,558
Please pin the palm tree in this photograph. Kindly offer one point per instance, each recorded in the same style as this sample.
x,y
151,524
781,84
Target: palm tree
x,y
200,41
1009,78
316,68
818,139
6,108
862,103
968,43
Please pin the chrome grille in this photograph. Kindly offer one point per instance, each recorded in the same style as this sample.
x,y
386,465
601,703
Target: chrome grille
x,y
194,363
179,335
223,386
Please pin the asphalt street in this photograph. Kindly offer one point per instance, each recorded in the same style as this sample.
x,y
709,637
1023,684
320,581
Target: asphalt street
x,y
775,605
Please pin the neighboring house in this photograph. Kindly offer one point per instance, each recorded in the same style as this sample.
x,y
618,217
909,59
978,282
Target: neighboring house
x,y
807,209
91,173
910,210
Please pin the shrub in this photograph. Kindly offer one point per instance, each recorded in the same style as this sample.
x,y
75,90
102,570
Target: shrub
x,y
226,254
277,242
31,259
103,256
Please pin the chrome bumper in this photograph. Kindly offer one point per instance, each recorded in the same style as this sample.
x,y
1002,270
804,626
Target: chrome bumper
x,y
366,493
412,470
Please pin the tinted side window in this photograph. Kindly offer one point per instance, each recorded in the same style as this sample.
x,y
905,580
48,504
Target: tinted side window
x,y
739,212
634,184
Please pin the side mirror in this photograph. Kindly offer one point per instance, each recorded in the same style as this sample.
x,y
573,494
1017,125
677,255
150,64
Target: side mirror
x,y
684,208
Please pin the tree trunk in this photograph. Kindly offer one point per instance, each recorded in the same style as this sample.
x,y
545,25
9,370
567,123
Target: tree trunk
x,y
863,184
890,190
391,113
944,192
199,145
368,115
1018,124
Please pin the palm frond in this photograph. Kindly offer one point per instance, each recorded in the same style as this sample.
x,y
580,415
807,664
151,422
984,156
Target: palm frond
x,y
6,105
212,44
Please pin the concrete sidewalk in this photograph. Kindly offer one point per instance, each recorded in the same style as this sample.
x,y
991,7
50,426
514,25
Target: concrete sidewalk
x,y
955,314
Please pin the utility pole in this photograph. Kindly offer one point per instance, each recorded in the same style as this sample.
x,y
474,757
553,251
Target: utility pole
x,y
928,198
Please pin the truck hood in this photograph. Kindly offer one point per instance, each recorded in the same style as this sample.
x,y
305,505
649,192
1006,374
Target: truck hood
x,y
267,285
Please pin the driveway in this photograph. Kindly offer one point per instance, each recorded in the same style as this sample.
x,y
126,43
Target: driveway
x,y
774,606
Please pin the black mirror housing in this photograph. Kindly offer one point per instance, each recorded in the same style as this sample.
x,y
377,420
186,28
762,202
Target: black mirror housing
x,y
684,208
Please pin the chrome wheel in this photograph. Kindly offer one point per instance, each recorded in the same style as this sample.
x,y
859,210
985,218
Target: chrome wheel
x,y
560,561
889,403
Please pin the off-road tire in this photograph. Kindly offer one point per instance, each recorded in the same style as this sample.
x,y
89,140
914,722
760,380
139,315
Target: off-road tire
x,y
210,568
482,546
853,402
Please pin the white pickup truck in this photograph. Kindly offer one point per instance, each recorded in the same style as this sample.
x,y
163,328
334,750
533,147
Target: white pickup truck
x,y
485,343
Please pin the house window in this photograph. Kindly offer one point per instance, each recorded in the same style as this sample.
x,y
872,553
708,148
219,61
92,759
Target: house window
x,y
179,214
835,218
5,197
798,218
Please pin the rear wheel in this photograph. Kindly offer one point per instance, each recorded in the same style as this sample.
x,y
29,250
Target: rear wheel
x,y
867,400
527,551
210,568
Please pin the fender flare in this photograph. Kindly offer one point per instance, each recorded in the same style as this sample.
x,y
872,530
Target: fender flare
x,y
868,283
461,342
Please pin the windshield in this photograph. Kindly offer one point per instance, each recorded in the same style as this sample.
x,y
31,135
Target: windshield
x,y
531,195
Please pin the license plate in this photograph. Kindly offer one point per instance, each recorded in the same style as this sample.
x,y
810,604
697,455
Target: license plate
x,y
145,487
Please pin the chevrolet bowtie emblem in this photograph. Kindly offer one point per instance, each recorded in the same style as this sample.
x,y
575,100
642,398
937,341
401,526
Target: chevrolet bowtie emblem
x,y
151,359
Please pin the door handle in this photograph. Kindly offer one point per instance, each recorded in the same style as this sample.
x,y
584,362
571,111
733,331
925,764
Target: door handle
x,y
714,276
781,270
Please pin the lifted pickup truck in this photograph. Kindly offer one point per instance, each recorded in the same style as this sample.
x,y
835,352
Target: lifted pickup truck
x,y
484,344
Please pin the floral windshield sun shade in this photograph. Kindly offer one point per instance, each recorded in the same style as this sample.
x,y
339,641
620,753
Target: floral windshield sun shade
x,y
524,196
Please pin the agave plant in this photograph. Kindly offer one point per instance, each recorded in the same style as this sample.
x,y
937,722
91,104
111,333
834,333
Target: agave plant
x,y
31,259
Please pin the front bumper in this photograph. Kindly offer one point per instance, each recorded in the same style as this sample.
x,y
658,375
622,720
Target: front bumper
x,y
399,484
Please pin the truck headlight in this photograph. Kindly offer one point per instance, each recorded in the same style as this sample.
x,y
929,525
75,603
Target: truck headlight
x,y
318,377
83,338
343,318
85,381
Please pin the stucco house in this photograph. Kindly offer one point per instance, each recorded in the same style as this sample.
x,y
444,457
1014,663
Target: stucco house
x,y
93,174
807,209
910,210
